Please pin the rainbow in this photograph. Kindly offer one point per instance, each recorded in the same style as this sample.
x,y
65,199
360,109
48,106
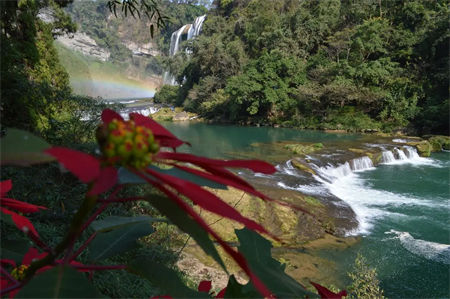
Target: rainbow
x,y
113,88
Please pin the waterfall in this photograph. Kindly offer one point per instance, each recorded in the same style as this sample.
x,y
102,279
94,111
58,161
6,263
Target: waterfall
x,y
361,163
176,39
387,157
400,154
411,152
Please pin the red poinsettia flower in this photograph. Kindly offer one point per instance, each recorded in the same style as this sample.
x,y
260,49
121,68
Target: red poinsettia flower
x,y
19,271
135,144
326,293
8,204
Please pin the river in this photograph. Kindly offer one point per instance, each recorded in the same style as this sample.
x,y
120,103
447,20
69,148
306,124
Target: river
x,y
402,205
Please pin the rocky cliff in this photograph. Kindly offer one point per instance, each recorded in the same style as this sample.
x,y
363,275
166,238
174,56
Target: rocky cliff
x,y
81,42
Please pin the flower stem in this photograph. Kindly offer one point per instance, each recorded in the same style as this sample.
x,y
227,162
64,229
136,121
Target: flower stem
x,y
74,229
9,276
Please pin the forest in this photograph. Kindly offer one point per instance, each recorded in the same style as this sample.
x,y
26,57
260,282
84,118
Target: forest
x,y
342,65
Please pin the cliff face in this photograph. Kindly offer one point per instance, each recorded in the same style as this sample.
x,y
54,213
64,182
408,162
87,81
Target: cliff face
x,y
81,42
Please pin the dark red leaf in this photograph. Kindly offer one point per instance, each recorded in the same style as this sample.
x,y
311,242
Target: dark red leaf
x,y
83,166
221,294
162,297
109,115
31,255
107,179
225,177
240,260
204,286
254,165
6,262
20,206
5,186
165,138
21,222
207,200
326,293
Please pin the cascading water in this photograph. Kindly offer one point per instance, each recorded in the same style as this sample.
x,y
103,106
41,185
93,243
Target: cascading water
x,y
176,39
387,157
411,152
400,154
362,163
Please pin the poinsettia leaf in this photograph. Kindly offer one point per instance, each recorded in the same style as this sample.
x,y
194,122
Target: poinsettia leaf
x,y
254,165
5,186
326,293
20,206
14,249
22,148
179,217
256,250
165,138
118,240
127,177
59,282
236,290
83,166
20,221
204,286
207,200
106,180
165,278
114,222
109,115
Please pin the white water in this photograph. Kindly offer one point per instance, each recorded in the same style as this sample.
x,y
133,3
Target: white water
x,y
176,39
400,154
387,157
430,250
345,182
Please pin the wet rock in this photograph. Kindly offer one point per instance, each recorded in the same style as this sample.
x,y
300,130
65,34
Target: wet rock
x,y
424,148
182,116
301,164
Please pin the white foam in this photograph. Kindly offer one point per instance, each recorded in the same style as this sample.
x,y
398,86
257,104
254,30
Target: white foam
x,y
429,250
307,189
367,203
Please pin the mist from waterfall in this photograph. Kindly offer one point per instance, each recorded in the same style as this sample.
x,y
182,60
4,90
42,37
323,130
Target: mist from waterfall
x,y
176,39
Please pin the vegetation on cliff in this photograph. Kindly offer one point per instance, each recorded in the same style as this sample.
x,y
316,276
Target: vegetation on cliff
x,y
353,65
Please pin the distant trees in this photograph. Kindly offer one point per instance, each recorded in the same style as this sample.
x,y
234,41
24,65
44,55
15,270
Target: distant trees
x,y
323,64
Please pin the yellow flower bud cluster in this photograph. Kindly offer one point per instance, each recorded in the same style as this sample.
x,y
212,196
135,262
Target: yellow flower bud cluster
x,y
19,272
127,143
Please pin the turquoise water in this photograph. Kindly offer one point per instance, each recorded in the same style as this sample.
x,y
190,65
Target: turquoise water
x,y
407,207
403,207
214,140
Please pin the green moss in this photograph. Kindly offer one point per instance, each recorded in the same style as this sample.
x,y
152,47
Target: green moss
x,y
423,147
312,201
301,149
439,142
302,166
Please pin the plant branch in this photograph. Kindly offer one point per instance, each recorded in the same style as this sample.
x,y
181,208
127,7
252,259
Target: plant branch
x,y
10,289
82,247
9,276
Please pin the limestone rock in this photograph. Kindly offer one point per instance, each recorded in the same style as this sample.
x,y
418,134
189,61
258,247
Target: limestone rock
x,y
81,42
182,116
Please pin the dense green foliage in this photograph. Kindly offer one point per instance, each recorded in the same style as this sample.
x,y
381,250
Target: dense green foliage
x,y
351,65
96,20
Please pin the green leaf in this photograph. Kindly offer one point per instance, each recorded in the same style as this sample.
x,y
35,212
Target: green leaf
x,y
118,240
114,222
236,290
59,282
7,218
256,251
23,148
163,277
14,249
179,217
127,177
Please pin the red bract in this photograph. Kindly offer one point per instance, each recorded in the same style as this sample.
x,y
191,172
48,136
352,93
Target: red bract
x,y
89,170
20,270
326,293
20,221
